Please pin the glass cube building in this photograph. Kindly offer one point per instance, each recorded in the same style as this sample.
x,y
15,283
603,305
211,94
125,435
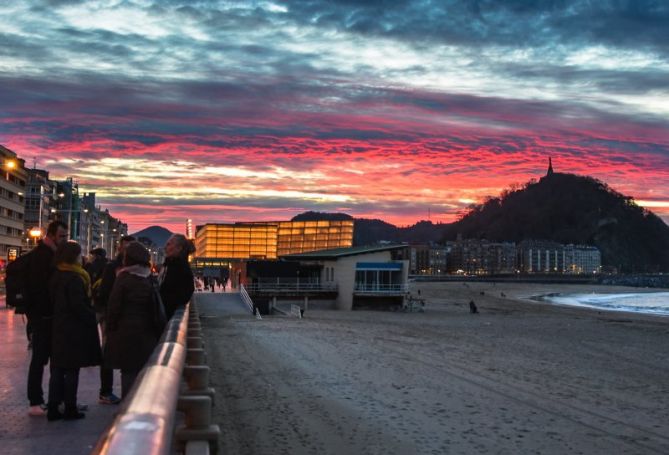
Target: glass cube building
x,y
270,239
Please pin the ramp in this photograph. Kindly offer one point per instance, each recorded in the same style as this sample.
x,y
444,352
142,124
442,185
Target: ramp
x,y
221,304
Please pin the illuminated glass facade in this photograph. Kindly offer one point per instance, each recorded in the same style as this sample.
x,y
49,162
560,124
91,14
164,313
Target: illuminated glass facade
x,y
269,240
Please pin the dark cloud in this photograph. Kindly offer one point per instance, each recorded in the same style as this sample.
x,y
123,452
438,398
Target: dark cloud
x,y
607,80
208,113
624,24
18,46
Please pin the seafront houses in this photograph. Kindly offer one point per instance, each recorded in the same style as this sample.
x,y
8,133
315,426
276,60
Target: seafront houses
x,y
340,278
552,257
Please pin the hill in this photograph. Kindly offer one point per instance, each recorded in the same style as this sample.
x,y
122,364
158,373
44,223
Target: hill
x,y
572,209
157,234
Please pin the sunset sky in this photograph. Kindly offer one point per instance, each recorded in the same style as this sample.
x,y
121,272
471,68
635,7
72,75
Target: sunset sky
x,y
260,110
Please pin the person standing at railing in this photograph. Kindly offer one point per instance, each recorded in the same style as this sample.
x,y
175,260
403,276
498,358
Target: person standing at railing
x,y
131,329
176,277
75,341
101,297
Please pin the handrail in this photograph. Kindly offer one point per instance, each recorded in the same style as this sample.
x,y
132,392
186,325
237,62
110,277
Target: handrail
x,y
246,298
375,287
145,423
269,286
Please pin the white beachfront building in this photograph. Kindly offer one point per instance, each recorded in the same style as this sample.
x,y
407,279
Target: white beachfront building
x,y
362,275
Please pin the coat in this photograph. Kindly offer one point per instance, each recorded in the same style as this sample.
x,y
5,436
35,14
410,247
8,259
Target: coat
x,y
131,334
108,276
95,268
176,286
39,305
74,340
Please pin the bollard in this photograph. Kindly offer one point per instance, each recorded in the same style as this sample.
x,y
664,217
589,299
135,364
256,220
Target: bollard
x,y
195,357
198,426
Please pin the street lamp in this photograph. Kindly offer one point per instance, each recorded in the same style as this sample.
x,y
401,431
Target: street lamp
x,y
9,165
53,210
35,233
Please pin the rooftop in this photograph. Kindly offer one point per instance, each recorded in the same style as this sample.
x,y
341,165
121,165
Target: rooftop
x,y
342,252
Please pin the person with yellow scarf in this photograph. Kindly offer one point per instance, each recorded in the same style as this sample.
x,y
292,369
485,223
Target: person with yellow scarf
x,y
75,340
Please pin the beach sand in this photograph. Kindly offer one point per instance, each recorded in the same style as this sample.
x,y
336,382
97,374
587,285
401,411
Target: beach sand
x,y
520,377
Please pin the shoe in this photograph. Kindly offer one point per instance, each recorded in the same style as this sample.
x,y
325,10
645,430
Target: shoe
x,y
73,415
80,407
109,398
37,410
52,415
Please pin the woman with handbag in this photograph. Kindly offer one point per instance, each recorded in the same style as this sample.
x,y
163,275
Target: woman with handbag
x,y
135,316
75,342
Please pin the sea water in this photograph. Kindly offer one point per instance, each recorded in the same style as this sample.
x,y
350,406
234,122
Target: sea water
x,y
648,303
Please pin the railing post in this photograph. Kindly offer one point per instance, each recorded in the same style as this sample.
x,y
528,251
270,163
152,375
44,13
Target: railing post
x,y
198,426
197,399
194,342
197,381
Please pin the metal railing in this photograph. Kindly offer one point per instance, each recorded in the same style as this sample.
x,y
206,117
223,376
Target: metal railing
x,y
380,288
292,287
145,423
246,298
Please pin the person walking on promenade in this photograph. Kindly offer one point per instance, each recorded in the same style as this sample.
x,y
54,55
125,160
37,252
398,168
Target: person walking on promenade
x,y
176,277
107,279
39,310
131,329
75,341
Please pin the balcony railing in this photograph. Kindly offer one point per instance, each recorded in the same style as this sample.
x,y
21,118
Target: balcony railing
x,y
378,288
293,286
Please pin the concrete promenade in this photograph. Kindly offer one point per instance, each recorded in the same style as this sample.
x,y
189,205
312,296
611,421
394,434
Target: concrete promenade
x,y
22,434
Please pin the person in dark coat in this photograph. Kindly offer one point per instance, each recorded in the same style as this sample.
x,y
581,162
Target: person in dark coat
x,y
107,278
130,329
176,277
39,310
97,263
75,341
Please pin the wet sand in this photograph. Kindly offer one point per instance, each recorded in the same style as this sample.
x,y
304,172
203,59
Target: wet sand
x,y
520,377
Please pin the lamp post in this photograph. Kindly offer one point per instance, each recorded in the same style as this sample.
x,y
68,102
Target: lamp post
x,y
102,234
54,211
35,233
9,165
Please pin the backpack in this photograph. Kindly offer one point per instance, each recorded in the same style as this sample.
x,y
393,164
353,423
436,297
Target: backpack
x,y
15,282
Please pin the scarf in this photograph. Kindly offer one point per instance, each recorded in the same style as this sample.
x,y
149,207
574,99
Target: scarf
x,y
137,269
79,270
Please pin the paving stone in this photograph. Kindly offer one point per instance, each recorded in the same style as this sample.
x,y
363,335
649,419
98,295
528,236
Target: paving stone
x,y
22,434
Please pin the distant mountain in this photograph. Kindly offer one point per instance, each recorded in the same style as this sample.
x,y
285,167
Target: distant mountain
x,y
157,234
567,208
372,231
